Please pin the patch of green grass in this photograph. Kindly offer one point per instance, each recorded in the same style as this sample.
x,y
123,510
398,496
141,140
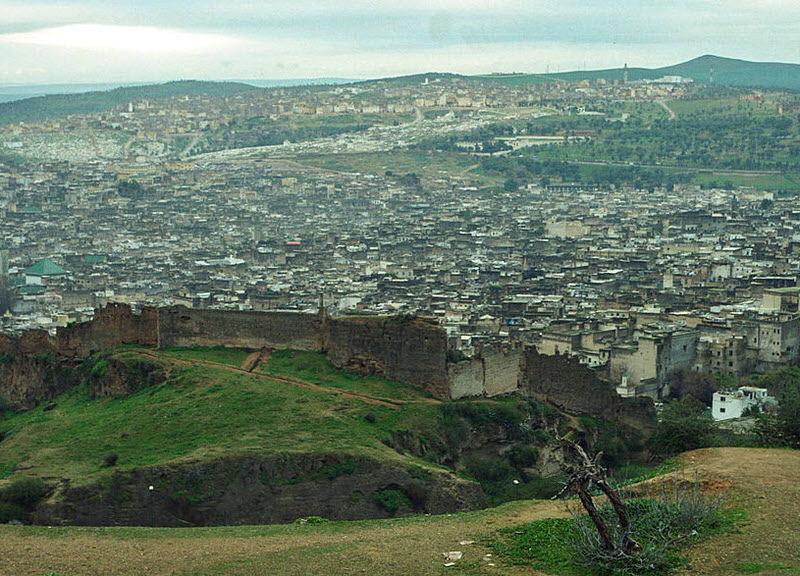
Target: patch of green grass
x,y
542,545
218,354
633,473
559,545
758,181
314,367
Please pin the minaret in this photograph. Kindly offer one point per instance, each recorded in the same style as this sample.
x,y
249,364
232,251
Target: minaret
x,y
711,76
625,74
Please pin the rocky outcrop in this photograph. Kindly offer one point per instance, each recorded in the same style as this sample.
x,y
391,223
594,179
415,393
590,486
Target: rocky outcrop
x,y
259,490
29,370
122,375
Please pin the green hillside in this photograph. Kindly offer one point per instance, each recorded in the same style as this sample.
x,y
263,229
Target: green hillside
x,y
134,409
201,411
60,105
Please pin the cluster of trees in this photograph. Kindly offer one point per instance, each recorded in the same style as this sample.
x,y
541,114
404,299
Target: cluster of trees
x,y
728,137
7,296
685,423
522,167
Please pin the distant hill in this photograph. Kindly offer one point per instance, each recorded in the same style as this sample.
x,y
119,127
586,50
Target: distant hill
x,y
726,71
59,105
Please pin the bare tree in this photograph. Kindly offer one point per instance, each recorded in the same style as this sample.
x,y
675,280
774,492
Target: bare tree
x,y
586,473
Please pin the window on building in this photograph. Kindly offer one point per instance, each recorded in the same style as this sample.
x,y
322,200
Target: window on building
x,y
722,410
722,398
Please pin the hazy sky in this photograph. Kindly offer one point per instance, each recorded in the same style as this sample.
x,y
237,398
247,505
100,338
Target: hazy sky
x,y
43,41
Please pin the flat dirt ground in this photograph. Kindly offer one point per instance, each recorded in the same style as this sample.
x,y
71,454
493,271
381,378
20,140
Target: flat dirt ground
x,y
764,482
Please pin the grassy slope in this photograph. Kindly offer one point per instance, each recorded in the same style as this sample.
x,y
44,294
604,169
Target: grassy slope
x,y
201,411
314,367
761,481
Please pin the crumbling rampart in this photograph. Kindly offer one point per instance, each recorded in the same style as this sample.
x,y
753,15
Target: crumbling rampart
x,y
34,366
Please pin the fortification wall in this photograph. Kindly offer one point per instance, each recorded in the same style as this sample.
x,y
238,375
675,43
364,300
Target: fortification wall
x,y
111,326
501,371
466,378
413,351
574,388
491,373
180,326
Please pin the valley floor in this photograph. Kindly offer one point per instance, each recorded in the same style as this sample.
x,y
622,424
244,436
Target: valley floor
x,y
763,482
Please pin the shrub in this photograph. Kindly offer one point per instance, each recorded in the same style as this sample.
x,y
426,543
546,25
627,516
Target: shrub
x,y
391,500
683,426
661,525
25,492
9,512
4,406
488,468
658,525
523,456
110,459
99,369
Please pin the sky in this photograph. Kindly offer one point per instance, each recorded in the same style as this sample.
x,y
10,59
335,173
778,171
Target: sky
x,y
45,41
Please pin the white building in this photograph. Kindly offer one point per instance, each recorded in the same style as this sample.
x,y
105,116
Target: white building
x,y
728,404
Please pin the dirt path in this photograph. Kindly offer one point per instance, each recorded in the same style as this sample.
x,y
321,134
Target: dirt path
x,y
669,110
255,359
393,404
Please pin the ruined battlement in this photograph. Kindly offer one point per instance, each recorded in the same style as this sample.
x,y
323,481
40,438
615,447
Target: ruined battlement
x,y
412,350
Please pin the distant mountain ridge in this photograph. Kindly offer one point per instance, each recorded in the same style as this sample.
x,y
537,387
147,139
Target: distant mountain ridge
x,y
725,71
53,106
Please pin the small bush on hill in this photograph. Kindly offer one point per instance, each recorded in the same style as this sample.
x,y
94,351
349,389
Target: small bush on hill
x,y
391,500
25,492
662,526
18,499
683,426
110,459
10,512
523,456
4,406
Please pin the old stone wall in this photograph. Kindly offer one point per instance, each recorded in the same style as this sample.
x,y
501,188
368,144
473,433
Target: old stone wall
x,y
111,326
491,373
411,350
564,382
466,378
501,371
180,326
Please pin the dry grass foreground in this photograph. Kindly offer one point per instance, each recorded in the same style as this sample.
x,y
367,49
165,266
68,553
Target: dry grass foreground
x,y
764,482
